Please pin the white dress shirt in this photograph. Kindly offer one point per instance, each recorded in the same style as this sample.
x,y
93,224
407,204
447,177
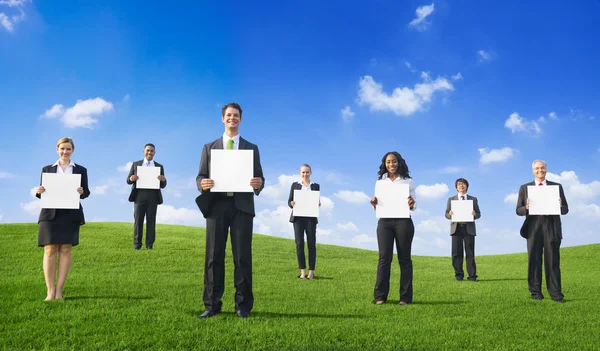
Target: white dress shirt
x,y
465,195
236,141
145,164
68,170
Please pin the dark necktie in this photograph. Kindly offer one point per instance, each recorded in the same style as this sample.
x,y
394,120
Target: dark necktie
x,y
462,197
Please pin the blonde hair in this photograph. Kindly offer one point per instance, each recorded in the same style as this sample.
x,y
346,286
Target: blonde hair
x,y
65,140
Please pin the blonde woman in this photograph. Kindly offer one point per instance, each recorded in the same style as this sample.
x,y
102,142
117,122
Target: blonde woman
x,y
58,229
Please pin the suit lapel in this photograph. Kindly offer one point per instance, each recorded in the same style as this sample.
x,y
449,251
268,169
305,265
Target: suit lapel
x,y
243,144
219,144
53,169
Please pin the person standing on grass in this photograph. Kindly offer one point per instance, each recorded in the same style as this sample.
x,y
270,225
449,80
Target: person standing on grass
x,y
463,234
544,235
58,229
233,212
305,224
145,201
393,169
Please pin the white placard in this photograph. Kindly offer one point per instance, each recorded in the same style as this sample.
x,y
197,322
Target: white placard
x,y
306,203
60,190
231,170
392,199
148,177
543,200
462,210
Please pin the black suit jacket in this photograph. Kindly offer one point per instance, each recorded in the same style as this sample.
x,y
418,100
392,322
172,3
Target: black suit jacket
x,y
243,201
133,171
48,214
522,211
298,186
471,230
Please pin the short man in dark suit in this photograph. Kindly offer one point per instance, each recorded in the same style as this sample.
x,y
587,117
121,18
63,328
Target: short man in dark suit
x,y
463,234
544,235
228,211
145,201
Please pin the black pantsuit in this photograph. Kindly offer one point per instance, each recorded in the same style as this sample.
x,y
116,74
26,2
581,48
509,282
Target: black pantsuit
x,y
308,225
401,230
461,241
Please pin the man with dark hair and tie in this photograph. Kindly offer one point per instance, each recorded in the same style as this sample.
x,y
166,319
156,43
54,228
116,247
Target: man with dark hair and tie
x,y
228,211
463,233
145,201
544,235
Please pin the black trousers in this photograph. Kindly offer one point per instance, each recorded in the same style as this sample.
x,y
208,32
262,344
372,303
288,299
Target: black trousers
x,y
143,209
308,225
542,242
226,217
463,241
402,230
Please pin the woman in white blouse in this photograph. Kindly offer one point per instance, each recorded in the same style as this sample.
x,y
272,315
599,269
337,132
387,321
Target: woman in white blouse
x,y
393,169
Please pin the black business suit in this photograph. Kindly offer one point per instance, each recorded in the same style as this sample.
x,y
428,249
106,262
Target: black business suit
x,y
301,225
544,235
236,214
61,226
463,234
146,202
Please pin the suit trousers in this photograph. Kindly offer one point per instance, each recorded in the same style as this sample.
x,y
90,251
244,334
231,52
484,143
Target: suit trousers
x,y
308,224
141,209
461,240
402,230
542,242
226,217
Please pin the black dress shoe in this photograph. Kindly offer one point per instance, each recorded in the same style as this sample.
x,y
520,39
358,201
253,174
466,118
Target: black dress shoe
x,y
560,300
149,247
242,314
208,314
137,248
459,278
538,297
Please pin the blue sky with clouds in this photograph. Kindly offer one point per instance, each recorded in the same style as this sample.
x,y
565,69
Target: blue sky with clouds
x,y
459,89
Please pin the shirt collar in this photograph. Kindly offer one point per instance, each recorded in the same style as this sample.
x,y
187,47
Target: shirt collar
x,y
236,139
146,162
538,183
71,163
465,195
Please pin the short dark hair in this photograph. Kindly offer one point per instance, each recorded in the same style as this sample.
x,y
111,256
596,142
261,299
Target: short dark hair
x,y
403,171
234,105
150,144
462,180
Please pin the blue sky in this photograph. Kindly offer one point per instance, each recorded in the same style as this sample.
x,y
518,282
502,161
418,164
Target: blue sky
x,y
459,89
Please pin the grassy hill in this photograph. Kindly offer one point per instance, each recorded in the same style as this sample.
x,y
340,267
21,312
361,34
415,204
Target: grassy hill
x,y
120,299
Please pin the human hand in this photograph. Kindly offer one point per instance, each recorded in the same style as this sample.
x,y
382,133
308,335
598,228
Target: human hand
x,y
451,212
256,183
40,189
373,202
207,183
133,178
527,204
292,203
80,190
162,178
411,202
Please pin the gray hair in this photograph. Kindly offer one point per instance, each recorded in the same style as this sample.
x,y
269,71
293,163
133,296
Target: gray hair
x,y
536,161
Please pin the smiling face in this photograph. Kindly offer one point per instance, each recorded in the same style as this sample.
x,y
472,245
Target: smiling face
x,y
231,118
539,171
461,187
149,153
65,150
305,173
391,164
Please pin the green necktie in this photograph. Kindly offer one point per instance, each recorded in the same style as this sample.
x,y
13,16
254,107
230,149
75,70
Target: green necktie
x,y
230,144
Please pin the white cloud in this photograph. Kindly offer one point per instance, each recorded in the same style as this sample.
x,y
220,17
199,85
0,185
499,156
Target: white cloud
x,y
457,76
409,66
83,114
511,199
432,225
495,155
126,98
574,189
553,115
278,193
517,123
451,170
353,197
274,222
13,3
326,205
126,168
6,175
484,55
100,190
347,113
324,232
591,211
422,13
185,216
348,227
403,101
32,207
364,239
7,21
435,191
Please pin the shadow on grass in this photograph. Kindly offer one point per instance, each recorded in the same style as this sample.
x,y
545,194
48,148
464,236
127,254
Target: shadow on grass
x,y
109,298
264,314
502,279
318,277
431,303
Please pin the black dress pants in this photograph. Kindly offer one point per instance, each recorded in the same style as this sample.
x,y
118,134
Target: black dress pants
x,y
141,209
463,241
543,242
402,230
226,217
308,225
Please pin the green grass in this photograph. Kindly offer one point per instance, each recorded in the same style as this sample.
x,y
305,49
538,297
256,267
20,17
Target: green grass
x,y
120,299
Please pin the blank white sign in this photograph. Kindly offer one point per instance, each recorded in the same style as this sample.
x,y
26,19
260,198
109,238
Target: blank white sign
x,y
231,170
148,177
392,200
60,190
543,200
306,203
462,210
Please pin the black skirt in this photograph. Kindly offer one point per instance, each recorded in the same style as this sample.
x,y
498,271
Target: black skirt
x,y
60,230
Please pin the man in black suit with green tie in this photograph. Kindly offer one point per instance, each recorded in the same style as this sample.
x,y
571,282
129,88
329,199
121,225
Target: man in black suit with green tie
x,y
233,212
145,201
